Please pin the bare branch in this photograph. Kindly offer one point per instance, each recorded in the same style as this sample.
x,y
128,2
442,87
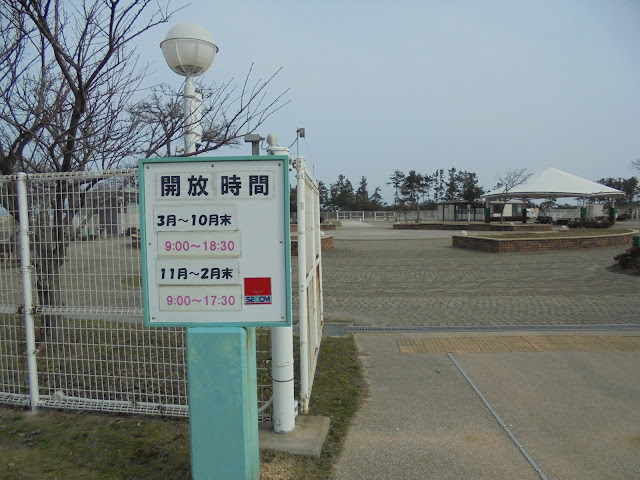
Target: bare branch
x,y
227,115
508,182
512,179
68,62
67,75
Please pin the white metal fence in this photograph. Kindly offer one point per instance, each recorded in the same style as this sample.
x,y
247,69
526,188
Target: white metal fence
x,y
436,216
71,330
309,279
387,216
361,215
592,212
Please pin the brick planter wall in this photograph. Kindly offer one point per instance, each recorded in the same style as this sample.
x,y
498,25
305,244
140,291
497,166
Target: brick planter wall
x,y
326,243
504,245
482,227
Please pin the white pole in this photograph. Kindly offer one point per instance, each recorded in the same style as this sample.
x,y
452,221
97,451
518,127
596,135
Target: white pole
x,y
25,268
302,287
284,404
190,120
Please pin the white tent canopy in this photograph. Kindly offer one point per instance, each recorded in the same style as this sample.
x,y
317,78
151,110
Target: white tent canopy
x,y
553,183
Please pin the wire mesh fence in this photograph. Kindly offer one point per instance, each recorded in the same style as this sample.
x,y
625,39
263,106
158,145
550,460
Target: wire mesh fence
x,y
92,348
13,374
10,287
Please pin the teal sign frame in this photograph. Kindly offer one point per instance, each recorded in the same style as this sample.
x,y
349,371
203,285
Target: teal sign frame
x,y
215,241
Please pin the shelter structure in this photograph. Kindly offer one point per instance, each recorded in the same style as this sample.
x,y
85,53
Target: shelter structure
x,y
554,183
459,210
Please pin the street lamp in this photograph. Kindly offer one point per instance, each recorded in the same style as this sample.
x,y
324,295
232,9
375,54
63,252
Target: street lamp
x,y
189,51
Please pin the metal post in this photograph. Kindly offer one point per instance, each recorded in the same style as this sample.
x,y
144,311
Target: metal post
x,y
25,269
255,140
284,403
302,287
487,211
221,367
612,211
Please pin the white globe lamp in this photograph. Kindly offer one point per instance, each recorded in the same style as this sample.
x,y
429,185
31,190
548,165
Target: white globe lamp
x,y
189,50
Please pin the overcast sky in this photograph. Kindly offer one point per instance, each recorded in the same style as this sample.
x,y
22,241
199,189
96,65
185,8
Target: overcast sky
x,y
484,86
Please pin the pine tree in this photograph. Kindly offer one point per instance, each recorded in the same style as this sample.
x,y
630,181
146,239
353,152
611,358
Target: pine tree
x,y
396,180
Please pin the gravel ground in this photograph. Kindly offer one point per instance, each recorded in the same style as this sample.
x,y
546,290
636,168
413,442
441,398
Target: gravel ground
x,y
377,276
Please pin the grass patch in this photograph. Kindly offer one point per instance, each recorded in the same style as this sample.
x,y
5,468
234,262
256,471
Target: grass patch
x,y
571,233
337,393
71,445
56,445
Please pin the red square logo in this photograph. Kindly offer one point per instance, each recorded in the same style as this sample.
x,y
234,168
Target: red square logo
x,y
257,286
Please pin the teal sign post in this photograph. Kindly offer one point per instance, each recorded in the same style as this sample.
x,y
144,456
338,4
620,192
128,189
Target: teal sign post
x,y
216,259
223,403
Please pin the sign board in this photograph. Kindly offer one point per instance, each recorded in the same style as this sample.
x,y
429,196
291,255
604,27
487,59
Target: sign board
x,y
215,241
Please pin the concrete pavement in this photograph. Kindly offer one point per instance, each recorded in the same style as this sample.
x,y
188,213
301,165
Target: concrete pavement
x,y
496,414
576,415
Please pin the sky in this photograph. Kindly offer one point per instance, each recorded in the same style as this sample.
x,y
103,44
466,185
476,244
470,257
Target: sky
x,y
480,85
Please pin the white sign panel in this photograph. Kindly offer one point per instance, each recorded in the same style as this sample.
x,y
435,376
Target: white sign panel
x,y
215,239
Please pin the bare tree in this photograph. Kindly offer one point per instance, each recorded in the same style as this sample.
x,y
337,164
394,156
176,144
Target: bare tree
x,y
68,76
228,113
507,182
636,164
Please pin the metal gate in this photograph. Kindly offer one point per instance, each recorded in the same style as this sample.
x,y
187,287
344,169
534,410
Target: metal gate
x,y
309,279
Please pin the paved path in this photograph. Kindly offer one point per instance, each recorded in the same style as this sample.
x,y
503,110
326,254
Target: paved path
x,y
575,414
555,414
378,276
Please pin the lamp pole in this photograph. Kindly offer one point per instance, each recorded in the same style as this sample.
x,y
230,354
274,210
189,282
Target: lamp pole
x,y
190,51
191,117
221,361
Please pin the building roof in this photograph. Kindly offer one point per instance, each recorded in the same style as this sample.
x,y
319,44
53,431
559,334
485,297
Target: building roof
x,y
552,183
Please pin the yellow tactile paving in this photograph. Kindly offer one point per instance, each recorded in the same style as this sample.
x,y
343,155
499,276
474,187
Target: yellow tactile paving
x,y
503,344
542,343
625,344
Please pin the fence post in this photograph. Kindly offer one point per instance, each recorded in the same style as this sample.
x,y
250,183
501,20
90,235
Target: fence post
x,y
302,286
25,269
